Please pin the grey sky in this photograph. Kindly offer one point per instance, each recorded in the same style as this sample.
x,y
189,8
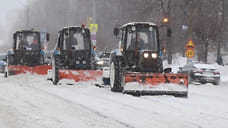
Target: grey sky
x,y
8,5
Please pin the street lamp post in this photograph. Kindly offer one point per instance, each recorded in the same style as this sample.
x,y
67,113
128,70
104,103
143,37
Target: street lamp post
x,y
94,11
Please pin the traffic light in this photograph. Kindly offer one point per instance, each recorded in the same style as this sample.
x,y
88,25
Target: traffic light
x,y
165,20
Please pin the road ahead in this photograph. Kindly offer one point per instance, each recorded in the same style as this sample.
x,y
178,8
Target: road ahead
x,y
32,101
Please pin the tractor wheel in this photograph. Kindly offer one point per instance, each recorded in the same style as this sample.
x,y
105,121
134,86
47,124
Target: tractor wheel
x,y
55,70
10,59
116,75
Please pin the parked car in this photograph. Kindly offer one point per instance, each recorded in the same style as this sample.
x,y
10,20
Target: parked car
x,y
201,72
47,57
103,60
2,62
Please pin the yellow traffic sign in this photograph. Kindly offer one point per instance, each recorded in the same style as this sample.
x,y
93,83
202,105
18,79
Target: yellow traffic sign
x,y
189,53
190,44
93,27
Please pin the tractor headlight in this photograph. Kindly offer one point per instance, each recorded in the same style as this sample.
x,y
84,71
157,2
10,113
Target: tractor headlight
x,y
146,55
101,62
83,62
77,62
154,55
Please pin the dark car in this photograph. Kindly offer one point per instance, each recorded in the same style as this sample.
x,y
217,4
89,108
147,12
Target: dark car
x,y
201,72
2,63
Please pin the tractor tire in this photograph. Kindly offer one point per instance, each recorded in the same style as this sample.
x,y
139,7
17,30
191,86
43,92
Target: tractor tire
x,y
10,59
55,70
116,75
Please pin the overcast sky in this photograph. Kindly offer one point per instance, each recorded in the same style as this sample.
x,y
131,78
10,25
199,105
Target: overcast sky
x,y
8,5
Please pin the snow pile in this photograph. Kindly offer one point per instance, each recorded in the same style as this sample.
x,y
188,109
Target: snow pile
x,y
177,62
30,101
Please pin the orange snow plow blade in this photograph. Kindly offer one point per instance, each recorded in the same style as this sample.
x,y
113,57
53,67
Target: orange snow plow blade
x,y
81,75
156,83
39,69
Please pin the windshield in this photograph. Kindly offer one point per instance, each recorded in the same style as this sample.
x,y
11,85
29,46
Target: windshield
x,y
145,37
75,40
27,41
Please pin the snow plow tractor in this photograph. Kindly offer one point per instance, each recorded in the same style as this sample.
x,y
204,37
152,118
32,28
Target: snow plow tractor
x,y
73,58
27,54
136,67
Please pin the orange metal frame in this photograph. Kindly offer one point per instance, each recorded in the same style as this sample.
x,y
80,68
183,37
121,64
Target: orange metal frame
x,y
80,75
157,78
39,69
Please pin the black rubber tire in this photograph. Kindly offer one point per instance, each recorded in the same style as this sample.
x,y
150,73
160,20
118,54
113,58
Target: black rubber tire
x,y
10,59
203,82
56,70
216,82
118,75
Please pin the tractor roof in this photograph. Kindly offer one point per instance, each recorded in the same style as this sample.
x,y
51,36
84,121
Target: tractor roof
x,y
72,27
32,30
139,23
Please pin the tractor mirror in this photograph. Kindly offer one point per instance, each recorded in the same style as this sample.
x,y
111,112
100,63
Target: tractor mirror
x,y
180,68
14,36
47,36
116,31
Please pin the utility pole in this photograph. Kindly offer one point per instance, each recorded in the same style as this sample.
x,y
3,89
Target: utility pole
x,y
221,30
93,33
27,16
167,14
94,11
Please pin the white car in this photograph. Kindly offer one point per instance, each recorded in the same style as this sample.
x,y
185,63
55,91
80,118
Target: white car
x,y
201,72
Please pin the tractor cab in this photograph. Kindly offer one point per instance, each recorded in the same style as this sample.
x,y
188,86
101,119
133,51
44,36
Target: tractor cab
x,y
140,47
27,46
73,57
27,54
74,44
136,67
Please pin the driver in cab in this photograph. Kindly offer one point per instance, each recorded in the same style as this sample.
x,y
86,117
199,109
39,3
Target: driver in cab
x,y
140,43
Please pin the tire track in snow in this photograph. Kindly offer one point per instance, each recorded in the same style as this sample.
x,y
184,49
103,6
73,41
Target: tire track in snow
x,y
83,106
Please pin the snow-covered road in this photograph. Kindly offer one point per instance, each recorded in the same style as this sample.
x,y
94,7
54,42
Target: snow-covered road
x,y
32,101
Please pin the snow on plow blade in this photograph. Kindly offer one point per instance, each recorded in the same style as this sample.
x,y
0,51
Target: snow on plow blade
x,y
156,84
18,69
81,75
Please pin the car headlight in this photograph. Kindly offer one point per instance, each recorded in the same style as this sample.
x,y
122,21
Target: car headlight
x,y
154,55
101,62
146,55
